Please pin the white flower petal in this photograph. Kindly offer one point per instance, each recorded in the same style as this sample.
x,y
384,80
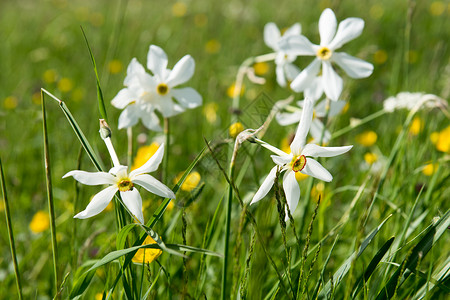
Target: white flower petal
x,y
354,67
271,35
315,89
182,71
154,186
295,29
348,30
134,69
332,83
123,98
291,190
327,26
281,160
316,131
157,61
315,169
285,119
91,178
297,45
265,186
303,128
129,116
291,71
151,165
133,201
187,97
98,203
279,71
304,79
318,151
151,121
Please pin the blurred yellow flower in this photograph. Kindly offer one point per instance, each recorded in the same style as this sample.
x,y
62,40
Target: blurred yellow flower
x,y
49,76
261,68
65,85
210,112
115,66
429,169
317,190
285,145
376,11
200,20
437,8
232,91
10,102
370,158
367,138
36,98
300,176
380,57
40,222
443,140
2,205
235,129
416,126
148,254
109,207
212,46
99,296
179,9
434,137
190,183
143,155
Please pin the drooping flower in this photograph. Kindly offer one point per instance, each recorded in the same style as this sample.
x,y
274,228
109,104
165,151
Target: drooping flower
x,y
299,160
410,100
119,180
325,53
285,70
145,93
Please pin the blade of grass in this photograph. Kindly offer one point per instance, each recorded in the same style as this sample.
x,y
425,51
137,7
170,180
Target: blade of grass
x,y
12,244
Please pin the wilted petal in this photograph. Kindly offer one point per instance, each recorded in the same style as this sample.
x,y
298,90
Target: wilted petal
x,y
271,35
133,201
123,98
187,97
318,151
315,169
332,83
304,79
91,178
182,71
98,203
303,127
354,67
157,61
129,116
265,186
291,190
151,165
153,185
348,30
151,121
297,45
285,119
327,26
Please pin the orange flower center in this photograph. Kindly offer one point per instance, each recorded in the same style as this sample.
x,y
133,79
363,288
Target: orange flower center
x,y
125,185
298,163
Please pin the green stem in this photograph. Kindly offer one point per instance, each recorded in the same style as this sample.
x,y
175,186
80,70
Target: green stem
x,y
359,123
227,233
10,232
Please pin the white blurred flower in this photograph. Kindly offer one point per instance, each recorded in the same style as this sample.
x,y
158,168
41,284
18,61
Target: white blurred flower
x,y
294,115
145,93
299,160
120,180
330,40
410,100
285,70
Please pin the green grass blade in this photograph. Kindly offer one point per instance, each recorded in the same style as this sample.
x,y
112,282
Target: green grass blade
x,y
12,244
420,250
101,103
345,267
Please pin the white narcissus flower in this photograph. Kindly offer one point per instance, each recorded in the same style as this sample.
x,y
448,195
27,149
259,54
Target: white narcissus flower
x,y
299,160
145,93
410,100
330,41
317,126
285,70
121,181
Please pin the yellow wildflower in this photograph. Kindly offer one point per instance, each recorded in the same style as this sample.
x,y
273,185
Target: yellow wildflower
x,y
233,91
317,190
115,66
285,145
143,155
443,141
367,138
147,253
40,222
300,176
10,102
210,112
179,9
437,8
212,46
49,76
370,158
65,85
416,126
191,181
261,68
376,11
429,169
235,129
380,57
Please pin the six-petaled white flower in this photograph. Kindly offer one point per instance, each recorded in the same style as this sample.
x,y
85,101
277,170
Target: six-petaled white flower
x,y
299,160
285,70
145,93
330,41
125,183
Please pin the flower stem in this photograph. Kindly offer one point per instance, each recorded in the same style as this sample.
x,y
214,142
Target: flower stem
x,y
10,232
358,123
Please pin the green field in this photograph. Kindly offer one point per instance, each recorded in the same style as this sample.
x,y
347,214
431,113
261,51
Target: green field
x,y
393,183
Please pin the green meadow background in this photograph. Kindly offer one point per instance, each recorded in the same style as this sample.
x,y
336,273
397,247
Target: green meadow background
x,y
43,47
